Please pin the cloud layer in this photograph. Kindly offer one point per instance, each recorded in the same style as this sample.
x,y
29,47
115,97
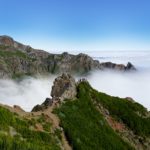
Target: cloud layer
x,y
26,93
30,91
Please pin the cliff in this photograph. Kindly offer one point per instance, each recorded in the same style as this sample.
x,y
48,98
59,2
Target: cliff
x,y
17,59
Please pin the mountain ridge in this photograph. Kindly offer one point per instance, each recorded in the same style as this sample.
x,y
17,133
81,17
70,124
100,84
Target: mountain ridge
x,y
17,59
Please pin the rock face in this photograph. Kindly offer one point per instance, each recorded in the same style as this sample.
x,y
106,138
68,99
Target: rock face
x,y
17,59
8,41
48,102
64,87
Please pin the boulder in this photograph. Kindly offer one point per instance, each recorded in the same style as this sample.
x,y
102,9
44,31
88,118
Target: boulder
x,y
64,87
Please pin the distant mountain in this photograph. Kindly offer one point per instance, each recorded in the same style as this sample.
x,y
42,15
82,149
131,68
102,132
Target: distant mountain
x,y
17,60
77,117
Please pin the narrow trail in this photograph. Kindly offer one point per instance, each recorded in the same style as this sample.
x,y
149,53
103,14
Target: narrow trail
x,y
56,123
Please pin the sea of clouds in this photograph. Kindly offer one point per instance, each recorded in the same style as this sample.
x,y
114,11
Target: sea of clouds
x,y
131,84
31,91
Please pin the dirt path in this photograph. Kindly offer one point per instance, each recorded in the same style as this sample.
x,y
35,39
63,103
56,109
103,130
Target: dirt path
x,y
56,123
53,118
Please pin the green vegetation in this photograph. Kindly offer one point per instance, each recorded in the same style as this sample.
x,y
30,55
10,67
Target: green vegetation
x,y
58,133
46,125
7,51
130,113
3,47
52,60
21,75
84,126
23,137
13,53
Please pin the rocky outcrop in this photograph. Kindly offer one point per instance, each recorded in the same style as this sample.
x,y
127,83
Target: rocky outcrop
x,y
18,108
47,103
119,67
17,59
64,87
9,41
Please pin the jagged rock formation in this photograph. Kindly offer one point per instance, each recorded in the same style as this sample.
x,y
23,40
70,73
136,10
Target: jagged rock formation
x,y
130,66
110,65
8,41
64,87
17,59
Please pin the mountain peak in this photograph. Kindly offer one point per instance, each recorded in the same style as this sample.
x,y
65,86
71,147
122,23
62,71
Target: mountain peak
x,y
9,41
6,40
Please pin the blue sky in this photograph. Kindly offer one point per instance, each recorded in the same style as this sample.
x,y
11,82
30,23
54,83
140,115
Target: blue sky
x,y
65,25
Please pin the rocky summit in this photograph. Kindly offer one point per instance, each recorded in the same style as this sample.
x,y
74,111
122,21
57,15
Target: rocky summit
x,y
17,60
64,88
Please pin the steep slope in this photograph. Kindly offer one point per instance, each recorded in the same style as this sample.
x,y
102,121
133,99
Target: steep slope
x,y
96,120
17,59
86,128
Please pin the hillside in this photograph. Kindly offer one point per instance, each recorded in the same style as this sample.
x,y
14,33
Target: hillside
x,y
94,120
76,117
25,133
17,60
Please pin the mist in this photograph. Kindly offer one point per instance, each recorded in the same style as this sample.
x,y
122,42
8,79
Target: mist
x,y
29,92
135,85
26,93
124,84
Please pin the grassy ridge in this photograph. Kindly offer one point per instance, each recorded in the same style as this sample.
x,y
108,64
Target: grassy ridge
x,y
85,127
130,113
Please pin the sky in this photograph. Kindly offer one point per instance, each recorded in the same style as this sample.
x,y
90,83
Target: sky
x,y
78,25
